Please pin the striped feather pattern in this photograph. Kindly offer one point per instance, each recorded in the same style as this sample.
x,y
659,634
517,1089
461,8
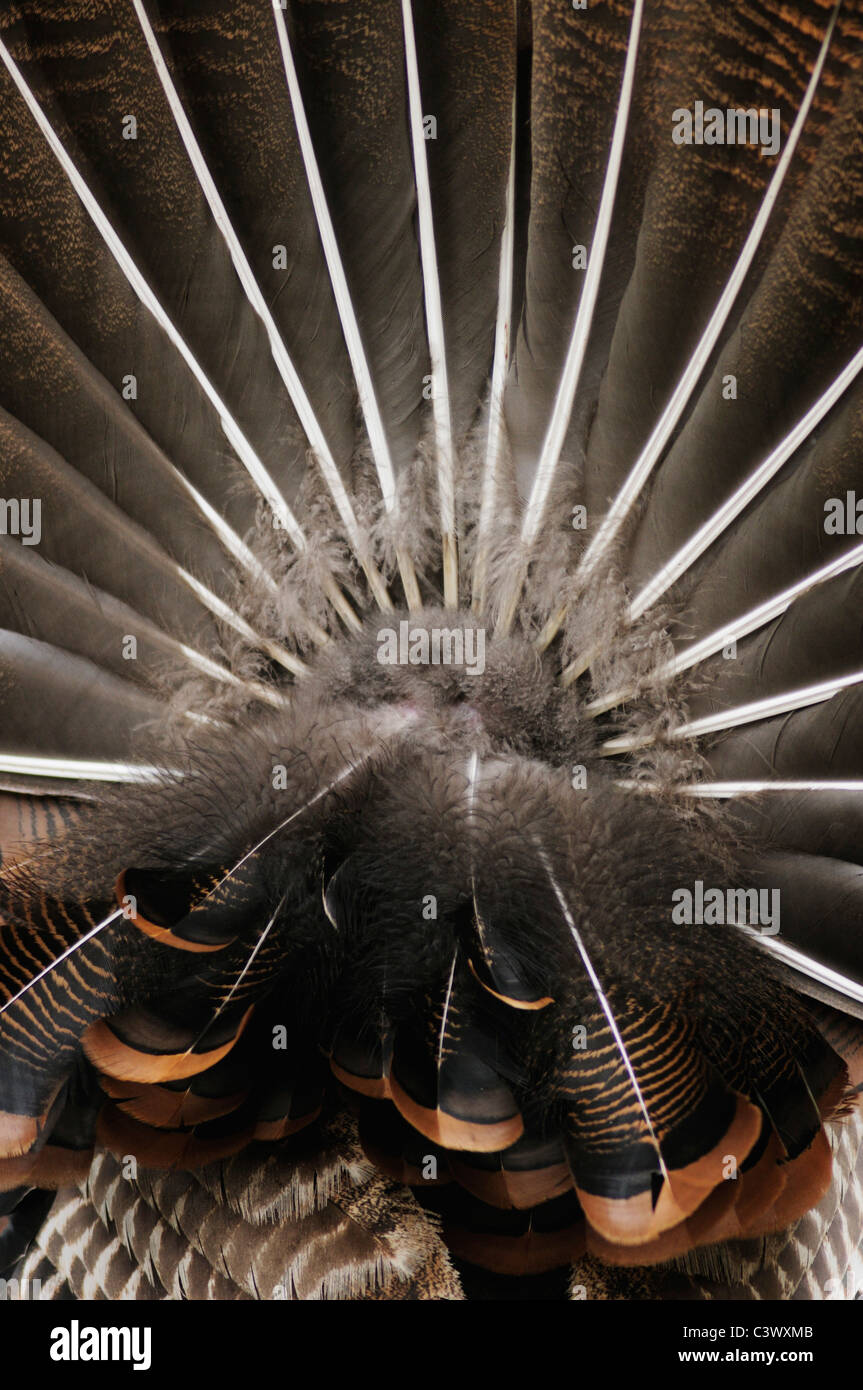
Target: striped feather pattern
x,y
166,1237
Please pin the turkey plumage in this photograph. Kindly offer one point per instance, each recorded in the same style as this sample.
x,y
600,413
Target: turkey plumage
x,y
432,802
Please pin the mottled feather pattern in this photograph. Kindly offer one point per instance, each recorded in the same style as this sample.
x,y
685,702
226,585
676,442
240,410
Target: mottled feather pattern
x,y
165,1237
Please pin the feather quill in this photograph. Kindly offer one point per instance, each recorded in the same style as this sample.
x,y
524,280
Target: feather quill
x,y
223,610
760,616
662,432
218,607
549,458
237,439
806,965
605,1004
353,338
500,366
119,912
749,489
441,1042
262,936
67,593
736,628
402,722
287,370
765,709
732,718
79,769
444,452
725,791
721,789
64,955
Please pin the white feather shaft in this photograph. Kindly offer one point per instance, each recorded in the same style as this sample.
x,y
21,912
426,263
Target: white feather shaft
x,y
64,955
444,452
757,617
472,777
225,533
228,537
350,327
223,610
441,1044
268,694
346,772
664,428
710,791
767,708
284,363
605,1004
79,769
241,445
396,726
239,980
729,789
555,434
502,348
748,490
806,965
562,409
734,630
81,592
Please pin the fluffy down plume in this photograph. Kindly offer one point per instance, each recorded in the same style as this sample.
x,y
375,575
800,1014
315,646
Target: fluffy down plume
x,y
431,797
